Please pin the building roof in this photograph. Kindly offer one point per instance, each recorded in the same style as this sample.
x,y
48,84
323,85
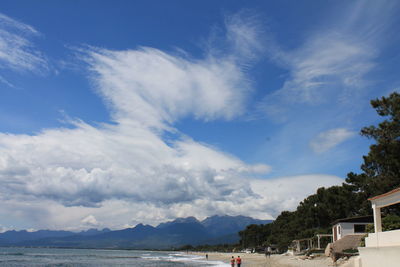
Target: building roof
x,y
385,195
358,219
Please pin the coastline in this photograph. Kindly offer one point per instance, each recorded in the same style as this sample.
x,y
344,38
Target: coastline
x,y
259,260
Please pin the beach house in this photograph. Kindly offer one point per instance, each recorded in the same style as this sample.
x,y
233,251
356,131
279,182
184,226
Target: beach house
x,y
382,248
347,234
350,226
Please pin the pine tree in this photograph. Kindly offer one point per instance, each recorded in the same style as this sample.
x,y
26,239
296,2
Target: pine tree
x,y
381,167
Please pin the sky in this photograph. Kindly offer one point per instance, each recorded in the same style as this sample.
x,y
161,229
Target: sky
x,y
114,113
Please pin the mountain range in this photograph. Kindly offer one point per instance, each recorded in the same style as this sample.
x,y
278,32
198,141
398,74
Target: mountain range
x,y
172,234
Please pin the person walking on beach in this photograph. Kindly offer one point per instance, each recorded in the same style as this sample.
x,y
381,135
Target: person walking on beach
x,y
233,262
238,261
268,252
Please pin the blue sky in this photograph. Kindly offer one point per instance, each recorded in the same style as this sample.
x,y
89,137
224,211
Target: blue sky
x,y
152,110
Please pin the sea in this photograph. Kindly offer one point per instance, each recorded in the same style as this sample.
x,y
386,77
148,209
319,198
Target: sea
x,y
95,257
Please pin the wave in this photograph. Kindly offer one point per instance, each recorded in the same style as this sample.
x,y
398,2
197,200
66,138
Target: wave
x,y
12,254
181,257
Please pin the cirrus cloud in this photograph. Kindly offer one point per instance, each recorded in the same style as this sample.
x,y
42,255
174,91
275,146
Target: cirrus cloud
x,y
17,52
329,139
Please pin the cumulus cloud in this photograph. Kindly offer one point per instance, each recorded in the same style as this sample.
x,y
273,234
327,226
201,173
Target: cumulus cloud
x,y
329,139
89,220
126,174
127,171
284,193
87,165
269,199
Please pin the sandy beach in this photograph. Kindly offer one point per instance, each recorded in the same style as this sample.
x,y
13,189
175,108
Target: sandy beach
x,y
274,261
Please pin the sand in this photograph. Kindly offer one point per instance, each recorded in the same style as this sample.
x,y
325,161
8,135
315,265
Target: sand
x,y
259,260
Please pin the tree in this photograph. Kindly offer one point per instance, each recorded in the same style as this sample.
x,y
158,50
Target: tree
x,y
380,174
381,167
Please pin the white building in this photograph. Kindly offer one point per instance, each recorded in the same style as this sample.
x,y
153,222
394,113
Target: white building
x,y
382,248
350,226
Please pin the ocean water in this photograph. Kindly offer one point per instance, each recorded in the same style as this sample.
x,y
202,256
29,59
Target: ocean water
x,y
95,257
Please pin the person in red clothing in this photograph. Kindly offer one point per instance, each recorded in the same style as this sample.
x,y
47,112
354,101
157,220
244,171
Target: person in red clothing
x,y
233,261
238,261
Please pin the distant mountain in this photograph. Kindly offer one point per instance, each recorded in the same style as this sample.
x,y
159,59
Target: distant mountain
x,y
182,231
13,237
94,231
224,225
178,221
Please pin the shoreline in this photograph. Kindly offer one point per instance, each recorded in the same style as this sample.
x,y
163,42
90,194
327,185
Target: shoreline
x,y
276,260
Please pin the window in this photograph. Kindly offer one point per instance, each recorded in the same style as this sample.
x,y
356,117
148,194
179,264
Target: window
x,y
359,228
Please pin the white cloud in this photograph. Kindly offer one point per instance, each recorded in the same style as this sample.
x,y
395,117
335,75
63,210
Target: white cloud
x,y
244,34
127,172
127,162
329,67
12,23
89,220
329,139
3,229
269,199
285,193
17,52
147,90
6,82
324,62
154,88
332,63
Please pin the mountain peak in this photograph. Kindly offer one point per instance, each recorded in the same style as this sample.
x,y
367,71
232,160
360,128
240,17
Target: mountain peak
x,y
190,219
138,226
218,224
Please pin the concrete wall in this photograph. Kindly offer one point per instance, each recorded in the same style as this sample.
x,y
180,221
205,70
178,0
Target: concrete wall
x,y
380,256
383,239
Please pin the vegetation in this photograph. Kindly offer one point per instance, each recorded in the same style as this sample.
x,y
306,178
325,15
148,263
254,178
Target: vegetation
x,y
380,174
209,248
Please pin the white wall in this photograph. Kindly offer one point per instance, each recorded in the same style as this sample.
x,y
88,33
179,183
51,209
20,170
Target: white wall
x,y
347,228
383,239
380,257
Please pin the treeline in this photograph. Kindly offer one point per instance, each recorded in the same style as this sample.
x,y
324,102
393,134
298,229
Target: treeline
x,y
209,248
380,174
